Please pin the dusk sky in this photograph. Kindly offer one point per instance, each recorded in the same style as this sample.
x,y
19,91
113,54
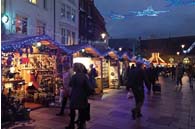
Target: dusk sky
x,y
179,21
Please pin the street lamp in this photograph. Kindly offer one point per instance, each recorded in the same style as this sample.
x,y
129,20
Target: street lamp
x,y
182,46
178,53
120,49
103,35
5,18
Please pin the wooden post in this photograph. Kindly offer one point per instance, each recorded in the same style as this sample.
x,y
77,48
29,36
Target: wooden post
x,y
118,64
101,76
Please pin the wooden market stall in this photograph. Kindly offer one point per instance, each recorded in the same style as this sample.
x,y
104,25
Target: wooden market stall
x,y
29,68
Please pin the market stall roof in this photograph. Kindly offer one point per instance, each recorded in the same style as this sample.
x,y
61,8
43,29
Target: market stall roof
x,y
16,44
125,55
107,51
88,48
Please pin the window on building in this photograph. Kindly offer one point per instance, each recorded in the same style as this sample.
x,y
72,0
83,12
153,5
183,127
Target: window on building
x,y
33,1
40,28
72,2
73,38
2,6
63,10
63,36
73,16
68,12
21,24
82,4
45,4
68,37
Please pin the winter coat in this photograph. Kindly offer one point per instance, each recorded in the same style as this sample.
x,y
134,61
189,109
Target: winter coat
x,y
80,90
66,80
138,79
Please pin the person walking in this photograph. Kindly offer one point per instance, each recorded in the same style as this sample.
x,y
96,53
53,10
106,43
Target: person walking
x,y
173,72
64,91
189,71
152,77
92,75
179,75
80,92
138,79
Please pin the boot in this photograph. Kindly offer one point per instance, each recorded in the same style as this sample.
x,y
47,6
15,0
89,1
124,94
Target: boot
x,y
133,114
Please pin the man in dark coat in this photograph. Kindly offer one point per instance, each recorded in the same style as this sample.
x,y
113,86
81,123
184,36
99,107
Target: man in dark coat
x,y
137,80
152,77
79,96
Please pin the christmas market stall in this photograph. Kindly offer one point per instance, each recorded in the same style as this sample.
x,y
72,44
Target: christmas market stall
x,y
89,57
29,69
110,68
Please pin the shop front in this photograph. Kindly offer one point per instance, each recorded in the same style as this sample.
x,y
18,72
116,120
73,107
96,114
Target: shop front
x,y
30,73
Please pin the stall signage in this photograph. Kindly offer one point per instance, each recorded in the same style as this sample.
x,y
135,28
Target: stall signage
x,y
113,63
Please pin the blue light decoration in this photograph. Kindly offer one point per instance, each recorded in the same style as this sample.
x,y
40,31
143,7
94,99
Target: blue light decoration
x,y
189,49
116,16
149,11
180,2
28,42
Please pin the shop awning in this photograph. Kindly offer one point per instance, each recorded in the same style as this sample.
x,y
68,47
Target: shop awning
x,y
85,48
125,55
107,52
16,44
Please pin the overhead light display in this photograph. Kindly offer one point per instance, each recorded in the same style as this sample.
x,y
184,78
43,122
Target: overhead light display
x,y
116,16
149,11
180,2
189,49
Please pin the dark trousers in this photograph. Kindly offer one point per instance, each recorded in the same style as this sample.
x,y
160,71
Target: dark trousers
x,y
190,81
81,118
139,98
179,81
150,84
64,101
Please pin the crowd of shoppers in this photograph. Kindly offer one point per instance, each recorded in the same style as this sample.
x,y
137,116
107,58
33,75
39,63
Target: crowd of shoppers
x,y
80,85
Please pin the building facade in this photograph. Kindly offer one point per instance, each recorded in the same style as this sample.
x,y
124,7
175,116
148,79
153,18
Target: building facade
x,y
170,49
91,22
56,18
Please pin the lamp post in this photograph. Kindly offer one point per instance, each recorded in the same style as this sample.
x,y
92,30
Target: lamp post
x,y
5,18
182,46
103,35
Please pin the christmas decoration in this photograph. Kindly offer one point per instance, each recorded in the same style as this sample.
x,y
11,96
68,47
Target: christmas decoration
x,y
149,11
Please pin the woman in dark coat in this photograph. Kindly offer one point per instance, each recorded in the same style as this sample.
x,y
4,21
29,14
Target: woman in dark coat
x,y
79,96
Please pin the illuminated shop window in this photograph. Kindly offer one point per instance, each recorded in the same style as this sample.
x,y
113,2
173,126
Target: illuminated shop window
x,y
21,24
33,1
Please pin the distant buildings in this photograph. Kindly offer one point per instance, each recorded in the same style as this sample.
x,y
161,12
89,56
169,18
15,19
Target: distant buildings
x,y
66,21
169,48
56,18
131,45
91,22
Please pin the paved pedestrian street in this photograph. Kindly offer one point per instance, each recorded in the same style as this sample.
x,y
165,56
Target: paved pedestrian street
x,y
168,110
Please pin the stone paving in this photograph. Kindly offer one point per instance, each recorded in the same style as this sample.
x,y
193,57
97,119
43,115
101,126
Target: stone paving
x,y
168,110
